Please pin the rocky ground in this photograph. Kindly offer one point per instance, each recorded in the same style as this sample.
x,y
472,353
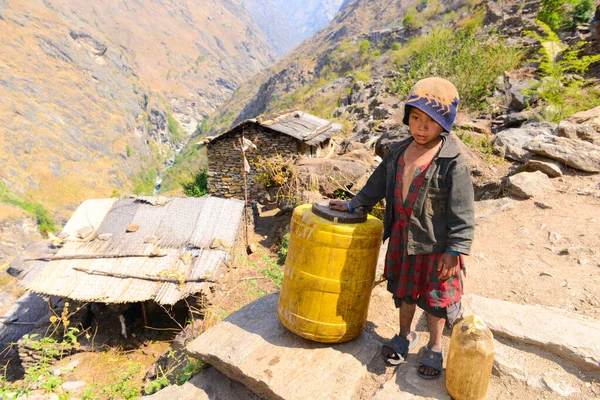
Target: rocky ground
x,y
528,254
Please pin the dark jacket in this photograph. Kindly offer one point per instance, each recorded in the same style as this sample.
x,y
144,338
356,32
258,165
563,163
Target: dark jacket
x,y
443,217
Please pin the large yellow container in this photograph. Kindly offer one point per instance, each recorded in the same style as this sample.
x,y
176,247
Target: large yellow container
x,y
470,359
328,275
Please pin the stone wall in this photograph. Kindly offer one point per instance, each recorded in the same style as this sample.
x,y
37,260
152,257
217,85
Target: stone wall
x,y
226,166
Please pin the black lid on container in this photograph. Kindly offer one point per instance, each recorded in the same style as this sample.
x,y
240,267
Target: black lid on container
x,y
321,208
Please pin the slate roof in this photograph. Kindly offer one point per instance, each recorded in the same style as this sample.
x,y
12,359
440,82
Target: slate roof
x,y
300,125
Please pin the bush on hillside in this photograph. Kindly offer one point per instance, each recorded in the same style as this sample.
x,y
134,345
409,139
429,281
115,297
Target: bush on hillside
x,y
460,57
198,187
565,14
37,210
562,87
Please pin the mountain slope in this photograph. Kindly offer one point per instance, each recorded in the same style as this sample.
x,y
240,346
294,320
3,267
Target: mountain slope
x,y
96,97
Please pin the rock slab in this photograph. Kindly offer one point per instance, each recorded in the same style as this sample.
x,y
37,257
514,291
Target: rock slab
x,y
251,346
575,153
511,142
209,384
550,167
529,184
565,334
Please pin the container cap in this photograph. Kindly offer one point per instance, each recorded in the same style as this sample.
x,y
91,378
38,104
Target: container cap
x,y
321,208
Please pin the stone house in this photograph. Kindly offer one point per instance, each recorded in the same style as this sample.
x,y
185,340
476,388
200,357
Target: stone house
x,y
291,134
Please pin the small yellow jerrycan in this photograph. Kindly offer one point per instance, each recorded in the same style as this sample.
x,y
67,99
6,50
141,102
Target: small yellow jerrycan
x,y
470,359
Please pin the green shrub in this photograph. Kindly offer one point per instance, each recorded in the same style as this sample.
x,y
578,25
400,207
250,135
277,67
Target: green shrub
x,y
396,46
174,129
459,57
407,22
582,13
42,216
283,248
565,14
144,182
197,187
561,91
364,47
362,76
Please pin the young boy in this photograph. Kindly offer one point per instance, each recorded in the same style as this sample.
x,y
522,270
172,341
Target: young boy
x,y
429,219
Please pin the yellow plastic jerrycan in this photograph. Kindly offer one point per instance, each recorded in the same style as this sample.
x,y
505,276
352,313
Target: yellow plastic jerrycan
x,y
470,359
329,273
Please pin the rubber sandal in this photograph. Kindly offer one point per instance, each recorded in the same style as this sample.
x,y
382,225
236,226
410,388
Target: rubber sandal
x,y
431,359
396,350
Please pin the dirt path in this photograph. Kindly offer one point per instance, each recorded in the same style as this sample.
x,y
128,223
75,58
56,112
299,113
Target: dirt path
x,y
542,251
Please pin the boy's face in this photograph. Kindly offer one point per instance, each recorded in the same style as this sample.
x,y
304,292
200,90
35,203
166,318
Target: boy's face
x,y
422,127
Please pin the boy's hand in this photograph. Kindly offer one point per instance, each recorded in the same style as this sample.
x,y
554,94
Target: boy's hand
x,y
338,205
447,266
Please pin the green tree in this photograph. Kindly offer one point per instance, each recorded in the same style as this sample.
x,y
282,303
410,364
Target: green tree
x,y
198,187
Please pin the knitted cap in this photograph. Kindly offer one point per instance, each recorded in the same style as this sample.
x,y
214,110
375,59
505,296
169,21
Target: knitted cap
x,y
437,98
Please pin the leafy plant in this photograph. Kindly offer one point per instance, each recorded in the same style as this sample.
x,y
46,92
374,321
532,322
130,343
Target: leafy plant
x,y
272,270
565,14
190,370
41,215
197,187
282,252
174,128
562,87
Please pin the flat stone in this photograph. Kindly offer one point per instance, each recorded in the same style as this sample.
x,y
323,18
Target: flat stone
x,y
529,184
585,132
551,168
591,116
574,153
133,228
208,384
536,368
251,346
85,232
511,142
485,208
73,386
568,335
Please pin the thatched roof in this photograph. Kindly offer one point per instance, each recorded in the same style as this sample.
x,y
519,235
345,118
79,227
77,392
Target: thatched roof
x,y
305,127
174,253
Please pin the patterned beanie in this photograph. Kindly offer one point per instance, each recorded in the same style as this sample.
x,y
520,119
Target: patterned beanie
x,y
437,98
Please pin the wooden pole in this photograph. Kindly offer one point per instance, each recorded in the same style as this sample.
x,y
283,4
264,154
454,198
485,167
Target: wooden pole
x,y
245,191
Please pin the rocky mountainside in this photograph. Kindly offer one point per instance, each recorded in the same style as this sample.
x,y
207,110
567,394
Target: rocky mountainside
x,y
96,97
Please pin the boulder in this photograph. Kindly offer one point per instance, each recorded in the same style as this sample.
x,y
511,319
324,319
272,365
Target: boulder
x,y
551,168
517,100
465,123
251,346
329,175
529,184
511,142
208,384
585,132
591,117
574,153
565,334
390,137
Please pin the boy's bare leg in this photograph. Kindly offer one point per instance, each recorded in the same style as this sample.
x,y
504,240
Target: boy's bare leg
x,y
407,313
436,328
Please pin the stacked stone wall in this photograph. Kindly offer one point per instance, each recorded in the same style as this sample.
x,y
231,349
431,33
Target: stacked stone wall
x,y
226,165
